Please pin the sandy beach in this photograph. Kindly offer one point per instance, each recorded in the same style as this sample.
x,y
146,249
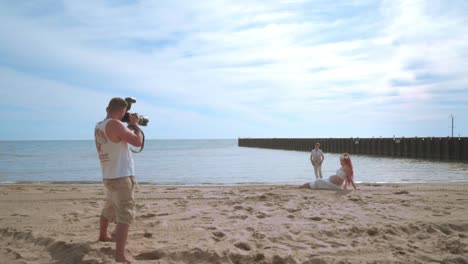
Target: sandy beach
x,y
391,223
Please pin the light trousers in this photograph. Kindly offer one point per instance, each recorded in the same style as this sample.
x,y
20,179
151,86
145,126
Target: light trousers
x,y
318,171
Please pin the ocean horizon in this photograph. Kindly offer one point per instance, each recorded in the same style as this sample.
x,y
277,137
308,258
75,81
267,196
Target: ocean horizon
x,y
195,162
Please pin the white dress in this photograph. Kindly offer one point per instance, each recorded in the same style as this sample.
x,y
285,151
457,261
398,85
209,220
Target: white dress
x,y
321,184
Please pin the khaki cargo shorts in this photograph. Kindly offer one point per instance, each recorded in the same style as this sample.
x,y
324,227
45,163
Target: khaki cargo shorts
x,y
120,200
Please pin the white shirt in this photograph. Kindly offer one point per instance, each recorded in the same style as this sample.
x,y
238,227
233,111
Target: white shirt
x,y
116,158
316,154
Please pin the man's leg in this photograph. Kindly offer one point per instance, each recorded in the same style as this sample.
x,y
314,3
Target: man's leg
x,y
107,215
120,243
316,171
126,206
320,171
103,226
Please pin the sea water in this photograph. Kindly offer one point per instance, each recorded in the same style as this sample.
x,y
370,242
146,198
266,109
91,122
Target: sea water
x,y
206,162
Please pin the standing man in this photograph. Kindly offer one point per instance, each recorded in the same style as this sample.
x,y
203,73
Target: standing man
x,y
317,158
118,171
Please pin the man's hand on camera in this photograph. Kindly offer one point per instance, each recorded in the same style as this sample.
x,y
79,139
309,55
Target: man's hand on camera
x,y
133,119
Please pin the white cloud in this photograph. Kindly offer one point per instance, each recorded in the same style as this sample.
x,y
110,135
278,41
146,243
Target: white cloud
x,y
268,63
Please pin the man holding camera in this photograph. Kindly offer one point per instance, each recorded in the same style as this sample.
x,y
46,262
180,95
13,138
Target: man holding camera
x,y
112,137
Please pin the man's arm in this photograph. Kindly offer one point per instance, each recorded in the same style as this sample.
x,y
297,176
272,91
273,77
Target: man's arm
x,y
133,135
116,131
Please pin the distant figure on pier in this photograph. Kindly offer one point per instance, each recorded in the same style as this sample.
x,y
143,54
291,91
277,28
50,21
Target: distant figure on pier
x,y
344,176
317,158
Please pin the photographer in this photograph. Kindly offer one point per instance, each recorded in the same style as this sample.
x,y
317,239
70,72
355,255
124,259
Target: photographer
x,y
112,137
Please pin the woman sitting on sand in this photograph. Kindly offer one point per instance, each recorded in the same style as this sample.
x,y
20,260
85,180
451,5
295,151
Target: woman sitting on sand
x,y
344,177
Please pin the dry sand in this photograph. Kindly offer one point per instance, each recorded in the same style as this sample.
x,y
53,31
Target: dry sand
x,y
413,223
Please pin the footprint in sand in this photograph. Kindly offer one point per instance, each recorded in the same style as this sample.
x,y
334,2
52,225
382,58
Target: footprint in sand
x,y
22,215
293,210
259,257
150,215
243,246
218,235
243,217
401,192
151,255
261,215
373,231
10,253
107,251
258,235
316,218
315,261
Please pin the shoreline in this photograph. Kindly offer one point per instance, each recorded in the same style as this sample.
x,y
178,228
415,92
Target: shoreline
x,y
380,223
99,183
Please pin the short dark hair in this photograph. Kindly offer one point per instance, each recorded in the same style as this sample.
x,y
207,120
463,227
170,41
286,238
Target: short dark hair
x,y
117,104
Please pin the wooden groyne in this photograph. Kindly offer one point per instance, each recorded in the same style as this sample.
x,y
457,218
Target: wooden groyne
x,y
429,148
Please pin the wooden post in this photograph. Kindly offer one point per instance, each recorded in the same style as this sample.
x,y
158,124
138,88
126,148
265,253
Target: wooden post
x,y
349,145
464,149
391,147
411,148
420,148
444,149
379,147
372,146
404,148
428,149
436,148
389,143
357,146
364,146
454,149
399,147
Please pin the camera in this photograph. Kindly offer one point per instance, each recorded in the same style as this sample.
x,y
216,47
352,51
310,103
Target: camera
x,y
142,120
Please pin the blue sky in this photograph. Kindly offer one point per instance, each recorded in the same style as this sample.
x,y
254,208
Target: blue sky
x,y
229,69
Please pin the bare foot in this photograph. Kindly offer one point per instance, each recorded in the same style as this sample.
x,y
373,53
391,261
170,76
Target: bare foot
x,y
124,259
106,238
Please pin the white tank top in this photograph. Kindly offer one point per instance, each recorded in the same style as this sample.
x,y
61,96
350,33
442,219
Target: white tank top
x,y
341,173
116,158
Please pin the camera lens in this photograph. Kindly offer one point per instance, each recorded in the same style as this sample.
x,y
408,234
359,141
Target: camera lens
x,y
143,121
